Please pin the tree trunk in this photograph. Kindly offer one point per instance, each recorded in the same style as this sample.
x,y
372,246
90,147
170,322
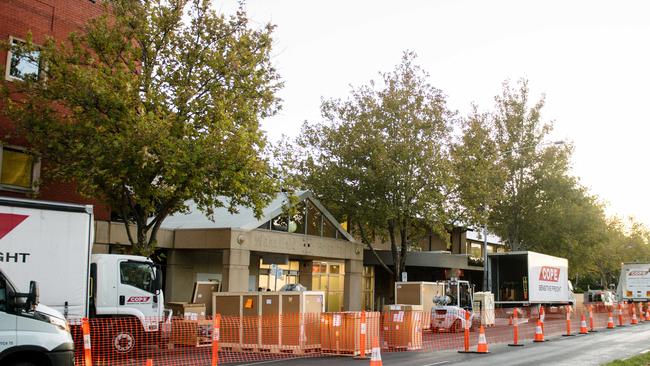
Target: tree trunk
x,y
403,247
366,241
393,247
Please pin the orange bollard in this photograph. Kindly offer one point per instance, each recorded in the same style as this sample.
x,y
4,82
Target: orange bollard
x,y
634,320
515,330
466,331
641,315
591,319
149,362
542,315
216,333
539,332
568,322
620,315
362,337
85,330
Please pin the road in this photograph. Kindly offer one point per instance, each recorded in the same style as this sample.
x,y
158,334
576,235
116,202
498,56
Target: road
x,y
592,349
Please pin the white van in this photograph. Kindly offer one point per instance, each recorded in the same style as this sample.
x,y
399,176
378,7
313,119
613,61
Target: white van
x,y
31,334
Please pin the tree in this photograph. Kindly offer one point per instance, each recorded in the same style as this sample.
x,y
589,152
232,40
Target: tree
x,y
478,175
507,177
155,104
380,159
519,135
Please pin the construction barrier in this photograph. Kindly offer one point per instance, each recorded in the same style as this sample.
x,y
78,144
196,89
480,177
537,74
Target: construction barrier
x,y
224,340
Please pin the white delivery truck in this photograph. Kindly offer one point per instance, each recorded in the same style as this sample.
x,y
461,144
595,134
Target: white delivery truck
x,y
31,334
634,282
528,278
51,242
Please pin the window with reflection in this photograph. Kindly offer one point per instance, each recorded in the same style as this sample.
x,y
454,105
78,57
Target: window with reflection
x,y
314,220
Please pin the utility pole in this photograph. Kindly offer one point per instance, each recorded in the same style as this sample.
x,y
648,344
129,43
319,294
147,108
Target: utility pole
x,y
487,280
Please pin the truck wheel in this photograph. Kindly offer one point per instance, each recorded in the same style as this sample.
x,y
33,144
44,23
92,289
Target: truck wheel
x,y
124,340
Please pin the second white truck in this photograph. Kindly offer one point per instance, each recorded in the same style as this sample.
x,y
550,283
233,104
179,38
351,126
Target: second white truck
x,y
529,278
634,282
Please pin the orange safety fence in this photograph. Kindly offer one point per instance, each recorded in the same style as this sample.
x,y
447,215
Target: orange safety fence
x,y
189,342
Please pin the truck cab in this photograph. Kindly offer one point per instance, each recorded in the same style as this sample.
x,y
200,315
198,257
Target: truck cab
x,y
129,287
31,334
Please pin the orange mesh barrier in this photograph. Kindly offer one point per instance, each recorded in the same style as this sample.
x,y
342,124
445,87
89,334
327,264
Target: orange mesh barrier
x,y
178,341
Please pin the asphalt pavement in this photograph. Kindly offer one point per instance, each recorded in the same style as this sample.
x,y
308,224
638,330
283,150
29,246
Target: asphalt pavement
x,y
592,349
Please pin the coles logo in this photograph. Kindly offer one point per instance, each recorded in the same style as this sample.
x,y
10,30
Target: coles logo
x,y
549,274
637,273
138,299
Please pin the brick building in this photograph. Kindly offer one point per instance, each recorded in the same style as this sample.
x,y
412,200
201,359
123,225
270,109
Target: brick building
x,y
20,168
239,251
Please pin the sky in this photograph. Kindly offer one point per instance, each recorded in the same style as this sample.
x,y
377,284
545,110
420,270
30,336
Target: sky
x,y
591,60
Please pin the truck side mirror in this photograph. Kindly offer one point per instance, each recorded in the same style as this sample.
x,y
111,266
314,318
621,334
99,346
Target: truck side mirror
x,y
159,279
33,296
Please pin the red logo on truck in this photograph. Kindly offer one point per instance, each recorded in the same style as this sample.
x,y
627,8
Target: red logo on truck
x,y
637,273
9,222
138,299
549,274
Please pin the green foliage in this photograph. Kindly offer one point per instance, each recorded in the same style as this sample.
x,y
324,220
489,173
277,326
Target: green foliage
x,y
380,159
153,105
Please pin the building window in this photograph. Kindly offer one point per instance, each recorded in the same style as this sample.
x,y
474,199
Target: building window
x,y
22,65
477,250
314,220
19,169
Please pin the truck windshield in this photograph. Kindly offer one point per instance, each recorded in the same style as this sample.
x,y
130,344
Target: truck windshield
x,y
5,288
138,274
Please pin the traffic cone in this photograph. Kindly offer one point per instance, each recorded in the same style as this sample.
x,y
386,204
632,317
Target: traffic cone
x,y
539,333
583,325
375,357
610,320
634,321
647,312
482,342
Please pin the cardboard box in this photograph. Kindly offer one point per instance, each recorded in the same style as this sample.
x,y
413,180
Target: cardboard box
x,y
270,321
402,327
419,293
341,332
196,333
187,311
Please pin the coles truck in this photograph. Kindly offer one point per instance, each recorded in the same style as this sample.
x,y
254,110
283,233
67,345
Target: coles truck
x,y
634,282
50,243
529,278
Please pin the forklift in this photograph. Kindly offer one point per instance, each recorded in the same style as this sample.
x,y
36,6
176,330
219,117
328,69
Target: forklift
x,y
449,311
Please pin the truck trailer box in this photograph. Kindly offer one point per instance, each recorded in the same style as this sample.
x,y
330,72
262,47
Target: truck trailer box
x,y
529,278
48,242
634,282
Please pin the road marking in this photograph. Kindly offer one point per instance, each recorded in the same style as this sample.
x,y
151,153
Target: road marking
x,y
272,361
645,351
437,363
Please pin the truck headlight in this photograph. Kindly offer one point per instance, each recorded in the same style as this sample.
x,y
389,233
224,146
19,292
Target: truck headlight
x,y
60,323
